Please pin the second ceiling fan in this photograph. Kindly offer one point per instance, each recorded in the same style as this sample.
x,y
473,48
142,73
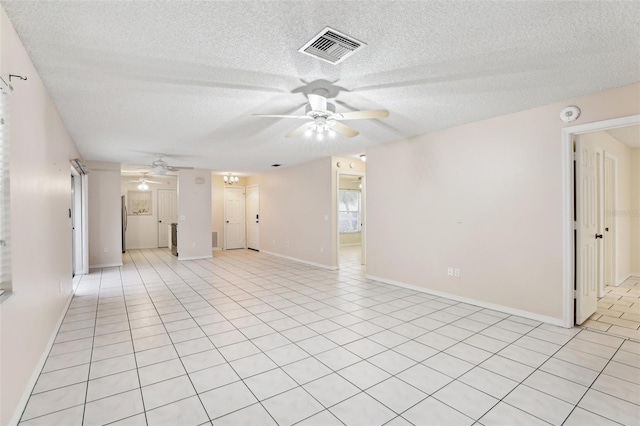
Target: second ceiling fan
x,y
322,117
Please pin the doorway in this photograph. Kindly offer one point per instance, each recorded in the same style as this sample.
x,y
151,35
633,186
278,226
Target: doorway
x,y
351,220
78,222
167,214
589,196
253,217
234,214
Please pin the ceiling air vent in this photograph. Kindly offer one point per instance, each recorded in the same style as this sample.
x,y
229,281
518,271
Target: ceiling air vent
x,y
331,46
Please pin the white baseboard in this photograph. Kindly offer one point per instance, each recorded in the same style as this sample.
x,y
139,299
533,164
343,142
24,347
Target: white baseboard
x,y
350,244
209,256
306,262
620,281
506,309
216,248
22,404
105,265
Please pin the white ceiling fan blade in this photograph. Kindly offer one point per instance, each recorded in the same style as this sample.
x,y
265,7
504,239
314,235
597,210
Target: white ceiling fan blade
x,y
344,130
152,181
174,168
279,116
317,102
300,130
361,115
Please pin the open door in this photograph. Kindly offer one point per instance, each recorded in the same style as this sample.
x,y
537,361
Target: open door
x,y
588,236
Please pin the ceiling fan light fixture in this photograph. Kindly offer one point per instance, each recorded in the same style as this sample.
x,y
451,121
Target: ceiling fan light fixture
x,y
229,179
143,186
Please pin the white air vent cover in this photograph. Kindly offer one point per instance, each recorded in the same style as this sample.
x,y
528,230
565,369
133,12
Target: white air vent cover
x,y
331,46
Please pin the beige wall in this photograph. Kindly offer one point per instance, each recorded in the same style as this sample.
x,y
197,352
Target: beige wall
x,y
105,223
194,214
142,230
623,200
296,215
40,229
485,197
635,212
217,204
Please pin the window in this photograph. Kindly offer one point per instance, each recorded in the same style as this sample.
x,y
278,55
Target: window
x,y
348,210
5,229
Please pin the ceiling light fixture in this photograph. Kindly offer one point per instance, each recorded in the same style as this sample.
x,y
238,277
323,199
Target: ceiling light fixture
x,y
143,186
230,180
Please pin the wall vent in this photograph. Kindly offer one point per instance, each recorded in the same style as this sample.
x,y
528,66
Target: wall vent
x,y
214,240
331,46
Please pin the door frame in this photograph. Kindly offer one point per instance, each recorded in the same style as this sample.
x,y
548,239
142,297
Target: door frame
x,y
568,193
614,202
246,225
363,209
244,213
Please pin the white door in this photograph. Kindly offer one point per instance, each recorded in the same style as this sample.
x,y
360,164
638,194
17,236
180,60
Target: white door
x,y
609,222
588,238
234,217
253,217
167,214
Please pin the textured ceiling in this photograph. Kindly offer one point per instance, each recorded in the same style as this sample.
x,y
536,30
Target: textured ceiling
x,y
134,78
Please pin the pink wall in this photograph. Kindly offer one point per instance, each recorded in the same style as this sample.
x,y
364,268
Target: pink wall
x,y
485,197
41,232
105,223
194,214
294,202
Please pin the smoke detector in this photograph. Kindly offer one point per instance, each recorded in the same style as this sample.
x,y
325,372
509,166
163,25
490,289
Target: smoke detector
x,y
331,46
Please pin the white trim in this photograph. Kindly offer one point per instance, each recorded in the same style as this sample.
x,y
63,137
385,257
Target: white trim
x,y
105,265
500,308
568,315
31,384
623,279
306,262
217,248
614,234
195,257
350,245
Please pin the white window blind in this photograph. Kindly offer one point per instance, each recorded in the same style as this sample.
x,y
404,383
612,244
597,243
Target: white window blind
x,y
5,225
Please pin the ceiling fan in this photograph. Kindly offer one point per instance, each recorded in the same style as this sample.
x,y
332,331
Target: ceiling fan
x,y
324,118
143,181
161,167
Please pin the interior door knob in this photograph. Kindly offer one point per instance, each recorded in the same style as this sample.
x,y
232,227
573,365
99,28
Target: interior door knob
x,y
598,235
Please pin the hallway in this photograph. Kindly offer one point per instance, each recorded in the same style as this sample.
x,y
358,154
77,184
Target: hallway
x,y
248,338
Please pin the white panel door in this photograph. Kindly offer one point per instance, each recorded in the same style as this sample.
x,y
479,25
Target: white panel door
x,y
253,217
588,238
167,214
234,218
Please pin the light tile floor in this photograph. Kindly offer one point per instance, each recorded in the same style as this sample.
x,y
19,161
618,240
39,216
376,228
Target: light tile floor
x,y
618,310
251,339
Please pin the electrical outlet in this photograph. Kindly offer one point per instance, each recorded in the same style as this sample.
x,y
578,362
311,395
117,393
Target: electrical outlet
x,y
321,249
287,243
61,287
106,249
456,273
193,244
450,271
